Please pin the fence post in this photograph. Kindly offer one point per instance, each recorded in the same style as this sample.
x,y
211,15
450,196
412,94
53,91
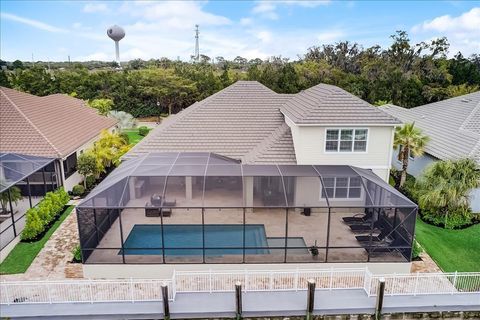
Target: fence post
x,y
6,292
416,285
174,284
166,308
380,294
49,293
246,280
91,291
296,280
331,279
454,283
270,281
310,298
210,280
131,291
238,300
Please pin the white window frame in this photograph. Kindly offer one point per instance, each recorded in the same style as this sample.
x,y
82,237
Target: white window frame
x,y
348,190
339,140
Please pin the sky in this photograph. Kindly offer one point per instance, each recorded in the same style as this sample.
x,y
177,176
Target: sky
x,y
54,30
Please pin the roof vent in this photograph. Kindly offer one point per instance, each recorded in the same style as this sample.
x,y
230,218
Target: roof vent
x,y
423,116
466,100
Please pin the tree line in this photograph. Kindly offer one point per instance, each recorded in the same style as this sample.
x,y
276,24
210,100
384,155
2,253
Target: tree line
x,y
404,74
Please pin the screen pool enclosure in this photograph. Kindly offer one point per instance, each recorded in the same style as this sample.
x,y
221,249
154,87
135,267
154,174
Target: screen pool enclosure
x,y
195,207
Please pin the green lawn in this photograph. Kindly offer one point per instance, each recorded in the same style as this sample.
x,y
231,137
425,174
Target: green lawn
x,y
22,256
133,136
452,250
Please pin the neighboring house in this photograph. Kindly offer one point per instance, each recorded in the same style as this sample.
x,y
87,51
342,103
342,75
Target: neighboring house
x,y
247,121
248,176
56,126
453,126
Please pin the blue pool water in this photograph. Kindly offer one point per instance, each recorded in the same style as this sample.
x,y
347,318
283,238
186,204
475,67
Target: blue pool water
x,y
146,239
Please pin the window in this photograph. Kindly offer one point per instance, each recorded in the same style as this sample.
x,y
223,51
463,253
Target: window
x,y
70,165
346,140
342,187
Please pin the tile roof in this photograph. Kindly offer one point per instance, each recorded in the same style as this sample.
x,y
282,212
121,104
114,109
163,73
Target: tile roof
x,y
330,105
51,126
245,121
453,125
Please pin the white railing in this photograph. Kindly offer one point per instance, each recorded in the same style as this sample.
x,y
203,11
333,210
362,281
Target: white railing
x,y
86,291
136,290
262,280
426,283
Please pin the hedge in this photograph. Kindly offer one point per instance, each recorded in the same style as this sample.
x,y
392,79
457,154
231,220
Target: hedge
x,y
39,218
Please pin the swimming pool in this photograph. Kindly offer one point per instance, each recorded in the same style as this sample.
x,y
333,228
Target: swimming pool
x,y
146,239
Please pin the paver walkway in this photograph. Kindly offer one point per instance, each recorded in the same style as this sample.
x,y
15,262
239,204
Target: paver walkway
x,y
53,261
425,265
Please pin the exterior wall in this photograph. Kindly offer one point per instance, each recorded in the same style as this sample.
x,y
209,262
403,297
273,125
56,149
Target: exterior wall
x,y
475,200
144,271
77,178
309,144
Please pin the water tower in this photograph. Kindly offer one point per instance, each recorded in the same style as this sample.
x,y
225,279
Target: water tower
x,y
116,33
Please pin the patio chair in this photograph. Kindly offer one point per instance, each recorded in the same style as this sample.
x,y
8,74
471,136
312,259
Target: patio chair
x,y
375,238
365,227
358,218
156,200
151,211
167,207
385,246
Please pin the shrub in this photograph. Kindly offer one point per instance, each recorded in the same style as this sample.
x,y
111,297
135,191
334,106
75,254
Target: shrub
x,y
454,219
416,250
90,181
33,225
40,217
124,136
77,254
78,190
143,131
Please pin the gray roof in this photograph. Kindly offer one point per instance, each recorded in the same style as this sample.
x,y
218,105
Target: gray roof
x,y
327,104
244,121
453,125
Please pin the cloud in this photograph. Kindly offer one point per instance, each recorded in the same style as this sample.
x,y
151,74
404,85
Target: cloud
x,y
246,21
94,7
330,36
463,31
267,9
33,23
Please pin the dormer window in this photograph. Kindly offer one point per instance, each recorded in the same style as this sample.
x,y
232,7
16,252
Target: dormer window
x,y
346,140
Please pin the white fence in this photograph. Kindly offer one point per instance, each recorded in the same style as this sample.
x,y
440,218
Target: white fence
x,y
135,290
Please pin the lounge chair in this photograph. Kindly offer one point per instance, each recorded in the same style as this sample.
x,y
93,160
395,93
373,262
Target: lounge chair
x,y
385,246
358,218
365,227
375,238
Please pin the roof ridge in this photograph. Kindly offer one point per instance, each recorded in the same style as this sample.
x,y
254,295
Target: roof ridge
x,y
30,122
267,142
470,116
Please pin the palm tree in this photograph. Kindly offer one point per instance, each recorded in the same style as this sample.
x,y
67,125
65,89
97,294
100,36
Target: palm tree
x,y
125,120
445,186
15,196
410,141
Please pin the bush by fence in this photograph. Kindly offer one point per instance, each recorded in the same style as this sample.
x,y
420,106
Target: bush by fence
x,y
39,218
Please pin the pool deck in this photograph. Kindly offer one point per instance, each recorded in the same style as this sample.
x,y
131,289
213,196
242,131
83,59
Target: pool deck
x,y
313,229
198,305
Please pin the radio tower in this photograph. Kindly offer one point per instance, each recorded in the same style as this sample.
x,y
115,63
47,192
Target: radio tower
x,y
197,49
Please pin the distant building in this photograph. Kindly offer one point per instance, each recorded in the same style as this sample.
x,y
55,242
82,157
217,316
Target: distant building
x,y
453,126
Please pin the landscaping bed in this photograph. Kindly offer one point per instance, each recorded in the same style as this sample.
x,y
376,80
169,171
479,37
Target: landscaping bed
x,y
22,256
452,250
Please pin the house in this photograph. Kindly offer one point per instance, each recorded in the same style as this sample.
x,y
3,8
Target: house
x,y
453,126
248,176
56,126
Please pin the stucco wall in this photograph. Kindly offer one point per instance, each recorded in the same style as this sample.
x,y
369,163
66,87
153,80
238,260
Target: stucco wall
x,y
163,271
309,144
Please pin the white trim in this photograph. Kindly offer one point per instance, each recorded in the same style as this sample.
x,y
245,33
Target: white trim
x,y
325,151
390,154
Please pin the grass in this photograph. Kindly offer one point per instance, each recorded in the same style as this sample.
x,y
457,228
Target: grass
x,y
22,256
133,136
452,250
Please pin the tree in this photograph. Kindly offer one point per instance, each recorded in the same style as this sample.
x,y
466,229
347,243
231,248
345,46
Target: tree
x,y
103,106
443,191
17,64
409,140
125,120
86,165
15,196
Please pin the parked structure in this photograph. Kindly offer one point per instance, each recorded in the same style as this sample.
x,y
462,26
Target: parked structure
x,y
56,126
254,177
453,126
